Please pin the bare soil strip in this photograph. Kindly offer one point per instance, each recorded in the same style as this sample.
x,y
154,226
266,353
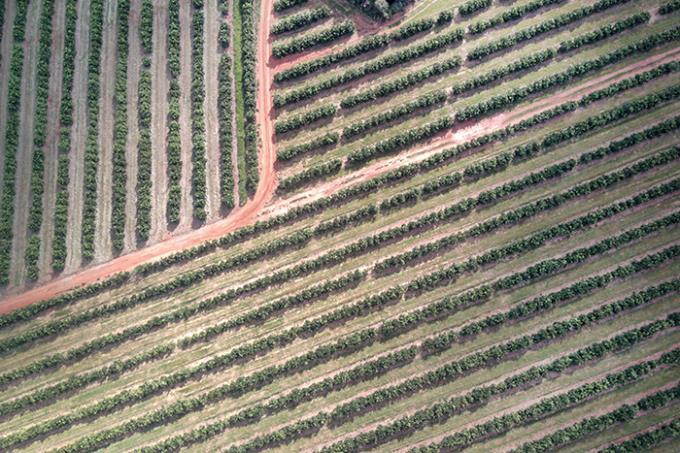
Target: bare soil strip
x,y
159,113
254,210
134,66
102,234
78,137
186,210
22,200
52,140
5,56
211,67
234,129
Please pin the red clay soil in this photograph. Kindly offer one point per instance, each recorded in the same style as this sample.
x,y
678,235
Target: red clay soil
x,y
255,208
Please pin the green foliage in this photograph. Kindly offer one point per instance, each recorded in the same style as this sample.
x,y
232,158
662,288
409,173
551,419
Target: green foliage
x,y
313,39
224,35
513,14
92,143
144,159
415,78
300,20
198,151
174,148
669,7
224,111
648,440
295,122
120,130
376,66
316,144
146,26
604,32
471,7
310,174
248,59
282,5
527,34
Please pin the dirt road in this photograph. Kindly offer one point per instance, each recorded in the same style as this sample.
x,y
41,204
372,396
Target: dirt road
x,y
5,56
255,209
52,140
102,233
22,199
186,210
159,113
212,144
134,66
78,138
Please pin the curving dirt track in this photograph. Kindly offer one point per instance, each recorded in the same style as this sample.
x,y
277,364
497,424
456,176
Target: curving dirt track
x,y
22,199
255,208
52,140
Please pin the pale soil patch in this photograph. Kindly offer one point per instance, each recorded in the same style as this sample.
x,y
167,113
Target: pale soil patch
x,y
134,66
186,207
102,235
5,56
52,140
211,67
159,112
78,137
22,199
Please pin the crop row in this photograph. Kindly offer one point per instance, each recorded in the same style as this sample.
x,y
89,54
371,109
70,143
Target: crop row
x,y
258,379
345,195
321,354
514,13
527,34
363,372
548,406
669,7
415,78
516,95
404,259
522,64
224,99
313,145
174,147
42,77
295,122
443,411
91,158
304,177
305,42
281,5
300,20
65,123
423,102
438,377
591,425
400,141
372,67
500,352
144,155
472,7
604,32
146,26
120,129
11,139
198,152
648,440
248,61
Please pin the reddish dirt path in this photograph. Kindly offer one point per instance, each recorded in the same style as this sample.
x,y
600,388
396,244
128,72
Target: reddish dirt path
x,y
255,209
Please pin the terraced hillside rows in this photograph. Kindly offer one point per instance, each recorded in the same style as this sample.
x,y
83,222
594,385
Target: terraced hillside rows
x,y
412,227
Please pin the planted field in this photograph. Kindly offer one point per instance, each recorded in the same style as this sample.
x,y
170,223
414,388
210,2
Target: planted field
x,y
336,226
